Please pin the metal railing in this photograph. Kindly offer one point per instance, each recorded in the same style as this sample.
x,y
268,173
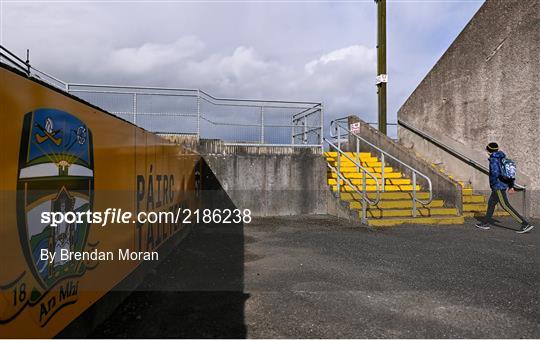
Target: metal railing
x,y
467,160
195,112
453,152
9,58
337,130
364,196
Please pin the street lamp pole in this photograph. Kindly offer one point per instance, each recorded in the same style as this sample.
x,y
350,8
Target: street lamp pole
x,y
382,77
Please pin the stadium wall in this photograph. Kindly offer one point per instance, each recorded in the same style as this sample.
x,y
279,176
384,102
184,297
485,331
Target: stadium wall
x,y
484,89
60,152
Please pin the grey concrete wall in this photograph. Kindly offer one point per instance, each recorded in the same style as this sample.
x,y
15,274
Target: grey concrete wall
x,y
273,184
270,180
443,187
484,88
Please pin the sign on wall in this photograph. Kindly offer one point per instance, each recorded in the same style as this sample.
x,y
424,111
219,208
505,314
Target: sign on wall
x,y
354,127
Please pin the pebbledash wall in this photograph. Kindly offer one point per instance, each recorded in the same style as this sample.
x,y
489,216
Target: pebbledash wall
x,y
483,89
60,153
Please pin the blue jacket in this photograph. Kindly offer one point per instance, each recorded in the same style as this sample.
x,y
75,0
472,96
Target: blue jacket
x,y
496,182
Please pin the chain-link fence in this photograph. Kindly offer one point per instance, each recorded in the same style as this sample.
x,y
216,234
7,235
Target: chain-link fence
x,y
195,112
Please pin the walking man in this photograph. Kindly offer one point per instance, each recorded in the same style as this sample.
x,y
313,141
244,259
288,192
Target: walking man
x,y
499,185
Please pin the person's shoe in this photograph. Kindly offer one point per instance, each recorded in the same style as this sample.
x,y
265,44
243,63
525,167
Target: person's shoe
x,y
525,229
483,226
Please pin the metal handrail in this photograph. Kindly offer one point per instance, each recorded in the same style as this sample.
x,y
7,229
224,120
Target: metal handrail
x,y
453,152
30,70
306,111
14,60
343,119
337,126
312,128
363,194
198,92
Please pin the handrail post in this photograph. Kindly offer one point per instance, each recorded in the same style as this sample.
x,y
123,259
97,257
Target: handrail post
x,y
135,108
364,192
198,114
382,172
338,179
322,124
27,62
304,132
293,129
338,138
339,167
262,124
414,194
357,155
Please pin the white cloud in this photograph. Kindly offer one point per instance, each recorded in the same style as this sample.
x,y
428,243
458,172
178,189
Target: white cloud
x,y
358,58
150,56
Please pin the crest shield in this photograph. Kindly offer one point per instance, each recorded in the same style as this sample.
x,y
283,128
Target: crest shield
x,y
56,174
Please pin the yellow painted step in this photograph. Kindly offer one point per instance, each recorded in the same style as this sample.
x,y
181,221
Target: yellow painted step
x,y
467,191
334,154
347,188
397,204
474,199
475,207
346,196
387,169
483,213
389,222
345,159
373,164
369,188
421,212
371,181
480,208
359,175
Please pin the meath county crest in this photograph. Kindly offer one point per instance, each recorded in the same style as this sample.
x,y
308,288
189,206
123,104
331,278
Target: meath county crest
x,y
56,174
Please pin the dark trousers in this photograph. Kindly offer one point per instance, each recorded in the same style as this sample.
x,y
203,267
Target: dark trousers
x,y
499,196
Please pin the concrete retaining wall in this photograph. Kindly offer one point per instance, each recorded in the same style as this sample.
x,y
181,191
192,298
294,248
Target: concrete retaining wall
x,y
273,184
270,180
483,89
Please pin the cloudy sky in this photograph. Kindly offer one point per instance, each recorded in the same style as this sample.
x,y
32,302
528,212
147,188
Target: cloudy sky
x,y
295,50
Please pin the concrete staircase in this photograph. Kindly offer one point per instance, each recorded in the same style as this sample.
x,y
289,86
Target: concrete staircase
x,y
395,206
475,205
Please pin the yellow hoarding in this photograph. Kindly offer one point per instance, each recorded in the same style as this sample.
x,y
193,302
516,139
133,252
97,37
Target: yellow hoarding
x,y
60,154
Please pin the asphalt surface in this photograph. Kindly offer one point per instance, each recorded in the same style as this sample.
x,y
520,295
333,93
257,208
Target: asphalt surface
x,y
317,277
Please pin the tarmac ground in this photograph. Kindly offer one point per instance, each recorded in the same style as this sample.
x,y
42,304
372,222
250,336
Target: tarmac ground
x,y
320,277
